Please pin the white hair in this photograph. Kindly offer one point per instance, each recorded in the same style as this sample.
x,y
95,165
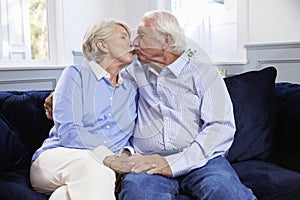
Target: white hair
x,y
101,30
167,23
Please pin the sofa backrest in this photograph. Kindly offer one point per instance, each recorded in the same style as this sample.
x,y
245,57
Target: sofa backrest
x,y
23,117
287,138
267,117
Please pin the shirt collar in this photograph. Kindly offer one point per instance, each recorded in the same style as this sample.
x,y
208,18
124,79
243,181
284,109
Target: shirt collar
x,y
100,72
177,66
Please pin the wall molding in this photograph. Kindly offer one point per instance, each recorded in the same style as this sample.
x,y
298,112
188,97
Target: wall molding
x,y
52,81
271,46
270,62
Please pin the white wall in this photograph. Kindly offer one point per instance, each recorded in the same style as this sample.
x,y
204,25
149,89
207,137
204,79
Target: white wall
x,y
270,31
136,10
80,14
258,21
274,21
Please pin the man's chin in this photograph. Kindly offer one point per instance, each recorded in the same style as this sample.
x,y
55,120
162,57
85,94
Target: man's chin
x,y
142,58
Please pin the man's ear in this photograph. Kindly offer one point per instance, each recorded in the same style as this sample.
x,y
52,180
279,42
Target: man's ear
x,y
168,41
102,46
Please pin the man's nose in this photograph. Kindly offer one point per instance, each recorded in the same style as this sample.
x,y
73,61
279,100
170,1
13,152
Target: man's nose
x,y
135,43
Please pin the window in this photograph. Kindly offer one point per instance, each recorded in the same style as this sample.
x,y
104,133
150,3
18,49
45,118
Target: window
x,y
211,26
29,32
38,30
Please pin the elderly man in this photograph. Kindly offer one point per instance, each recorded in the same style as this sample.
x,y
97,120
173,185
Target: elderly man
x,y
185,121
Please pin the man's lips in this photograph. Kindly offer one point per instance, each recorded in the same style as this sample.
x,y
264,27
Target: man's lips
x,y
136,52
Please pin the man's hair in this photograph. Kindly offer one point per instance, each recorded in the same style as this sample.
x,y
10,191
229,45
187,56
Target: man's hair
x,y
167,23
101,30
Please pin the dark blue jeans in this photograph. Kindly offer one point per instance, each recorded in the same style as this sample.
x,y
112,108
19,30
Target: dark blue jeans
x,y
216,180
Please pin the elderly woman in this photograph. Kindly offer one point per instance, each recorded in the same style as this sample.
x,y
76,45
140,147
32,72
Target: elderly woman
x,y
94,112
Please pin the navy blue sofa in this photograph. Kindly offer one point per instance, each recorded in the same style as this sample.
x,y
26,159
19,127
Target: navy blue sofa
x,y
265,152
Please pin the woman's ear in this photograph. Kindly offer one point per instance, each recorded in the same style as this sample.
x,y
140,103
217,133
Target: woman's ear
x,y
102,46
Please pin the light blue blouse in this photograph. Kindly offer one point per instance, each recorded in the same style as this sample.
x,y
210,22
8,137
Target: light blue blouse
x,y
89,112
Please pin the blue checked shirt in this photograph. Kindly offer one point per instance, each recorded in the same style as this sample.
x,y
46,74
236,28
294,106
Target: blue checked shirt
x,y
89,112
184,113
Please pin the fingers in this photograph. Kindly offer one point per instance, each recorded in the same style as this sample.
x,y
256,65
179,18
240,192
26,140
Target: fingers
x,y
154,164
144,165
108,160
48,106
48,111
123,164
147,163
166,171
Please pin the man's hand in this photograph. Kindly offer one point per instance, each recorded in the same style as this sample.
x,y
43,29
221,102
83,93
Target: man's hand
x,y
48,106
153,164
122,164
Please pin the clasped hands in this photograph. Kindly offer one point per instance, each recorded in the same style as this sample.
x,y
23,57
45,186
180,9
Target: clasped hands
x,y
136,163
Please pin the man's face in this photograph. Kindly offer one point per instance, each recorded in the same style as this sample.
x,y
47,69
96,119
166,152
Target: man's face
x,y
148,45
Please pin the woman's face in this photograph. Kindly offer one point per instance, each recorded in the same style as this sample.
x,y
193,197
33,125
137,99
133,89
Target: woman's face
x,y
120,46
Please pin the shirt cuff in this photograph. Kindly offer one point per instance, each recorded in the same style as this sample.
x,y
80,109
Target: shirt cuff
x,y
128,149
178,164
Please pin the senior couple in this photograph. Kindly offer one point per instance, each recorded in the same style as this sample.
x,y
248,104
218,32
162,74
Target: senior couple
x,y
165,121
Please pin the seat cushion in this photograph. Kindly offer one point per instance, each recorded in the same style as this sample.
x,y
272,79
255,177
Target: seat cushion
x,y
252,95
269,181
15,185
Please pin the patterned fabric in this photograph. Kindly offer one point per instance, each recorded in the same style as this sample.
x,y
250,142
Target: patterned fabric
x,y
184,113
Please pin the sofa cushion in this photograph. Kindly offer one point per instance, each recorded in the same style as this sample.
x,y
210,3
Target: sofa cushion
x,y
15,185
13,154
26,115
269,181
251,94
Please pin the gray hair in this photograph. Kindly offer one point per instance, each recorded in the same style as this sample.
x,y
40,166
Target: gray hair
x,y
101,30
166,23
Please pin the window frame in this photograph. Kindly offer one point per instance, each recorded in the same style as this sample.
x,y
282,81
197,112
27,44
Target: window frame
x,y
55,41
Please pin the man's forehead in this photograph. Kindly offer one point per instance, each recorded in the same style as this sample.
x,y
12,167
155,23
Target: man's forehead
x,y
145,23
145,28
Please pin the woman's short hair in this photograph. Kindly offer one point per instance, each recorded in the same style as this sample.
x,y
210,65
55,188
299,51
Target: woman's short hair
x,y
100,30
166,23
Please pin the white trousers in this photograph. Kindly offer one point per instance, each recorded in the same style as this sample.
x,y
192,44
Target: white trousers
x,y
72,174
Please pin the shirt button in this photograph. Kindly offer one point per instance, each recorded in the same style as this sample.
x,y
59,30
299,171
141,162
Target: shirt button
x,y
108,126
110,98
161,98
109,114
105,141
